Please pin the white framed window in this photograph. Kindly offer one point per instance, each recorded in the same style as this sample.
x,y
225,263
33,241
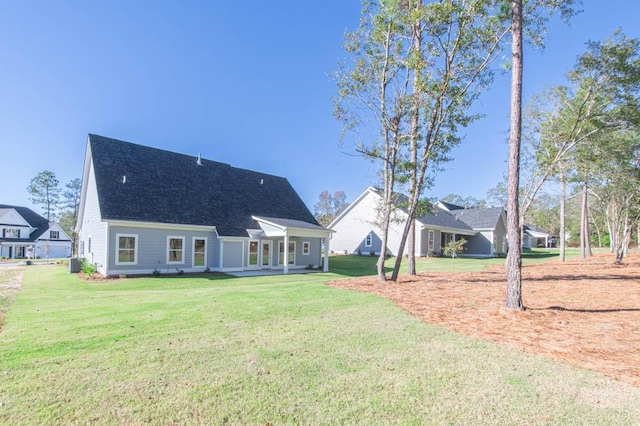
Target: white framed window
x,y
291,255
368,242
175,249
199,252
126,249
89,245
306,248
430,240
254,251
54,235
11,233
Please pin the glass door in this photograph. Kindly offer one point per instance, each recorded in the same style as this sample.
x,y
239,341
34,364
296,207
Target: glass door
x,y
266,254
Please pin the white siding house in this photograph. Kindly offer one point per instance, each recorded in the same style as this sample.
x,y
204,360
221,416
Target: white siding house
x,y
25,234
357,231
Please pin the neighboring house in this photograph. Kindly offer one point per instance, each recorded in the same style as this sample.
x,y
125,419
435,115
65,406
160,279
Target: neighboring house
x,y
489,223
357,231
536,237
25,234
144,209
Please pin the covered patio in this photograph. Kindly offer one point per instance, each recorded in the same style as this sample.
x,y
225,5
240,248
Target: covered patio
x,y
288,228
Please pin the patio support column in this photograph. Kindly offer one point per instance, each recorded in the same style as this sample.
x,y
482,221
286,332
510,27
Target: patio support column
x,y
325,266
286,252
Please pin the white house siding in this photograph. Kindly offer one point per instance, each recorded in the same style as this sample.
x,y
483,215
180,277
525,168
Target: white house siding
x,y
55,249
152,250
501,237
93,228
358,223
353,228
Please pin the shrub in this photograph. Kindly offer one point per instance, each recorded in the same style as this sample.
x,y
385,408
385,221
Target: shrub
x,y
88,268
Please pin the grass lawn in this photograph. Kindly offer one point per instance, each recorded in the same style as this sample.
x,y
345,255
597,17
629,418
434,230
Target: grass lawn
x,y
211,349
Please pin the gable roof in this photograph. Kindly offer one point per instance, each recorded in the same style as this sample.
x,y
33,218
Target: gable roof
x,y
439,218
445,220
39,223
535,231
449,206
480,218
140,183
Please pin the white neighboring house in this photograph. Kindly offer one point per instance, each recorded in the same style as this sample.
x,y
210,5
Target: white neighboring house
x,y
357,232
25,234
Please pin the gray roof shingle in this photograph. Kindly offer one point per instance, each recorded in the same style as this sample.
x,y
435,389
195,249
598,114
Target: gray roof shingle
x,y
168,187
479,218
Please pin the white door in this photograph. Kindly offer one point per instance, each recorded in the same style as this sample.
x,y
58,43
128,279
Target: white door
x,y
265,254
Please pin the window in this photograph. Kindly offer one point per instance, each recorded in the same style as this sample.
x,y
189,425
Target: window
x,y
175,249
199,251
126,249
81,247
291,254
430,240
253,253
89,245
11,233
306,248
54,235
368,241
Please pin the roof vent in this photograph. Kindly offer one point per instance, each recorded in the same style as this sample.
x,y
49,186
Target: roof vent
x,y
261,181
124,178
199,160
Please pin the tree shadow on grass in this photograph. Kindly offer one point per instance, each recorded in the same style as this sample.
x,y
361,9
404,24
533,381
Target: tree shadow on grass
x,y
587,311
538,255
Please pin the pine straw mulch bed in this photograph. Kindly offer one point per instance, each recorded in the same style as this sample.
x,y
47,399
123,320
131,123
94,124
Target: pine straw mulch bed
x,y
583,312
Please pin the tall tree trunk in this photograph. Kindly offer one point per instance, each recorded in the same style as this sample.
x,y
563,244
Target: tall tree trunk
x,y
563,202
411,249
595,225
514,257
585,245
409,232
386,220
623,243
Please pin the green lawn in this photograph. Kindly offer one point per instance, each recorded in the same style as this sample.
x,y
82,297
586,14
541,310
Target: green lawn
x,y
212,349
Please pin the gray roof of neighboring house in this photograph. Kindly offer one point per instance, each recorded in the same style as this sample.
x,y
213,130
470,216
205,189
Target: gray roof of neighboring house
x,y
450,206
479,218
33,219
167,187
535,229
443,219
439,218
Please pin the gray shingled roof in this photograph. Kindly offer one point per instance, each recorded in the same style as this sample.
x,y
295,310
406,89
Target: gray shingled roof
x,y
443,219
439,218
479,218
291,223
167,187
450,206
33,219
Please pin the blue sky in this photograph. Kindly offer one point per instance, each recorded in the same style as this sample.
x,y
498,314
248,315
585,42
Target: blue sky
x,y
246,83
